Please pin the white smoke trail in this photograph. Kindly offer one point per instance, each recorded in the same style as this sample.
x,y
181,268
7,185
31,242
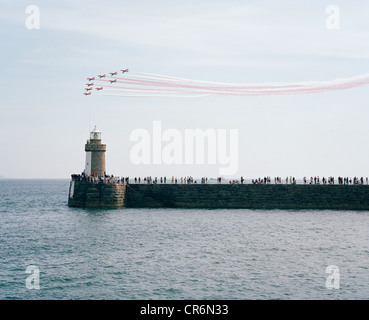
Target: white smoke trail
x,y
194,91
154,95
340,81
157,85
155,90
184,80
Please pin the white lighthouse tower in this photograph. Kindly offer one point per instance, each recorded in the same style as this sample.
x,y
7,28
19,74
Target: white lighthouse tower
x,y
95,154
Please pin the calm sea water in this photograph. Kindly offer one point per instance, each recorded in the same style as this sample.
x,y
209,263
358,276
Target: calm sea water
x,y
175,254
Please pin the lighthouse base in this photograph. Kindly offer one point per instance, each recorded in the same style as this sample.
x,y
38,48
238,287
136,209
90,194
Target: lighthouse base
x,y
84,194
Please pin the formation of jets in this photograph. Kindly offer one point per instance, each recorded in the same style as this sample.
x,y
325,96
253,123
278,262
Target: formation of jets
x,y
88,89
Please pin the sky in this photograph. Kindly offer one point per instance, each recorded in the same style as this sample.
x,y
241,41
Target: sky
x,y
45,118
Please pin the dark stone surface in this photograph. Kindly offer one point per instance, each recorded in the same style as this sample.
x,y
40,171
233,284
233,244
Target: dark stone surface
x,y
340,197
100,195
220,196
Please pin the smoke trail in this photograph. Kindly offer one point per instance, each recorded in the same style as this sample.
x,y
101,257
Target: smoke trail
x,y
157,85
364,77
154,95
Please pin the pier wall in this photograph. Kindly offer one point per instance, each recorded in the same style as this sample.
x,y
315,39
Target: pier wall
x,y
219,196
85,194
250,196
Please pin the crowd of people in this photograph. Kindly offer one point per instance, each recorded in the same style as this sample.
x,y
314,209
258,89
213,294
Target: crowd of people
x,y
312,180
204,180
174,180
265,180
99,179
355,180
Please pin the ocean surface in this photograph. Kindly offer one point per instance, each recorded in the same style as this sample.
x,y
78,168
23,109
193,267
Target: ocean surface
x,y
174,253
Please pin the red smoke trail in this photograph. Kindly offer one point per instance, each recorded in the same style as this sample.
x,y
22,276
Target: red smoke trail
x,y
184,86
170,85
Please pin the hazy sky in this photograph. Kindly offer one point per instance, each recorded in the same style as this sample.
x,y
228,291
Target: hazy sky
x,y
44,116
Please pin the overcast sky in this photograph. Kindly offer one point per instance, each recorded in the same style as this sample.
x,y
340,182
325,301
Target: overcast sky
x,y
44,116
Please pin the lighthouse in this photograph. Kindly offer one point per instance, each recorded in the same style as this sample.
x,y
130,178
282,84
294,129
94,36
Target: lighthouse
x,y
95,154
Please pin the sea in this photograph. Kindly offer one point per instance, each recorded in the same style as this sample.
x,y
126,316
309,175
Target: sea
x,y
49,251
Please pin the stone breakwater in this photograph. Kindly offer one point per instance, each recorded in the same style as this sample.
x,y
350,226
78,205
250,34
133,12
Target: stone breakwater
x,y
84,194
219,196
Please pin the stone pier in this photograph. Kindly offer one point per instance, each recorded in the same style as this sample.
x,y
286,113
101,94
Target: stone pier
x,y
86,194
219,196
